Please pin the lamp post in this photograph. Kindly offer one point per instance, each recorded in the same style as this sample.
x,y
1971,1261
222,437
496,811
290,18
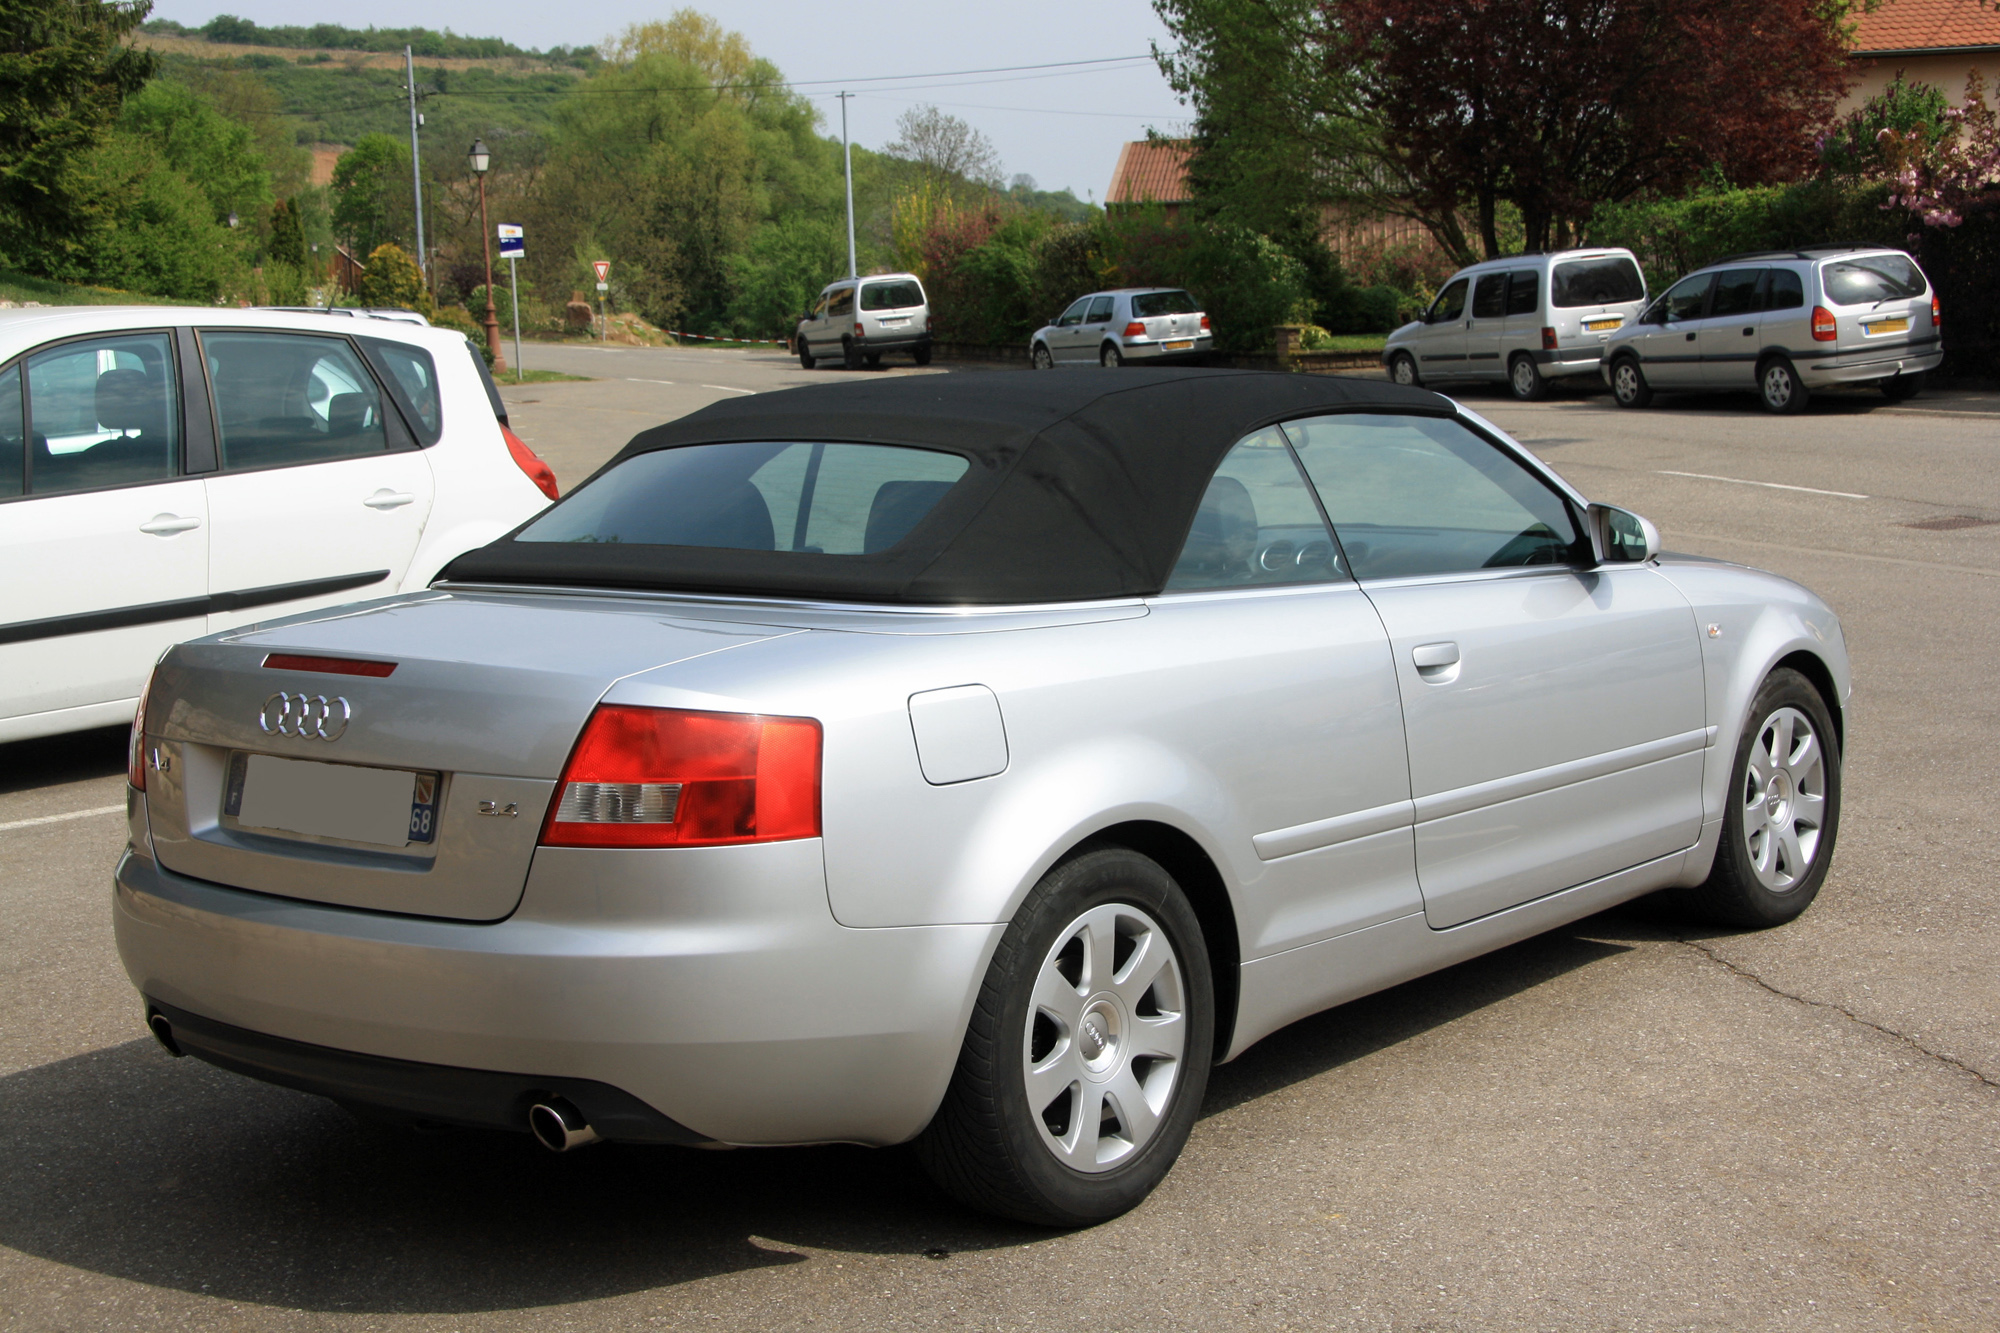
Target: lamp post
x,y
480,160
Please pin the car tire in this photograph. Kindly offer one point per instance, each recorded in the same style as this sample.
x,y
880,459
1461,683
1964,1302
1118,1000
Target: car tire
x,y
1628,383
922,356
1061,1033
1403,370
806,361
850,355
1040,359
1902,388
874,360
1782,815
1780,389
1110,358
1526,380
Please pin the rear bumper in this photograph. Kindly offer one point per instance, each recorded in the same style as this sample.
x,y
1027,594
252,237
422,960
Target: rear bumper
x,y
711,985
1868,363
1157,351
1557,362
893,342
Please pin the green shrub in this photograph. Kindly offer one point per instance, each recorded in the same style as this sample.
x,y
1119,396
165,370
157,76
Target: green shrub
x,y
392,280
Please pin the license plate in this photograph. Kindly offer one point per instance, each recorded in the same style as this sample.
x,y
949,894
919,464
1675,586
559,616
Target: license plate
x,y
1598,325
1888,326
386,807
1179,345
895,323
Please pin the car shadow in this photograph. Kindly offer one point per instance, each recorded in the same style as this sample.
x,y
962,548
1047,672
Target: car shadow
x,y
167,1172
49,761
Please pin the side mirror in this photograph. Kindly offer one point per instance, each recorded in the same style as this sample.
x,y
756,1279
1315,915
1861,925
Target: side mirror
x,y
1621,536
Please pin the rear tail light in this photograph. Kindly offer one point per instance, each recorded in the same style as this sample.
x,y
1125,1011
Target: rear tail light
x,y
1204,324
1937,315
669,777
858,330
529,462
1825,329
135,748
1135,330
332,666
1548,340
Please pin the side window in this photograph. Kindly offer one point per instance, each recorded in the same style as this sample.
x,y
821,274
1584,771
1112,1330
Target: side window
x,y
13,434
1450,303
1684,300
413,379
1074,315
1736,291
105,412
840,304
1257,524
283,399
1786,292
1424,495
1100,311
1489,298
1524,292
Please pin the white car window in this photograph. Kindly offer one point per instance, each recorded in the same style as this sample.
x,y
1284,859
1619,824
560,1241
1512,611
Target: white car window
x,y
1257,524
102,412
282,399
13,434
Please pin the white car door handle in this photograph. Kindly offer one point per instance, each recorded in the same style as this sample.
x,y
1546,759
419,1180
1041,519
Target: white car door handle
x,y
1428,656
387,499
166,525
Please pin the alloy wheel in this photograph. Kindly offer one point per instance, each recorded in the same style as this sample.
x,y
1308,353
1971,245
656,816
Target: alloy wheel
x,y
1107,1034
1784,799
1778,386
1625,381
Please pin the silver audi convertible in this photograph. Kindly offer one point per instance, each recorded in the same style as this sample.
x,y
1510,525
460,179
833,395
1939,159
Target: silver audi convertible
x,y
971,761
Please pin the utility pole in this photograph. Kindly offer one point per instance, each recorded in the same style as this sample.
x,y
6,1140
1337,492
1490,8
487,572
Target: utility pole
x,y
416,165
847,152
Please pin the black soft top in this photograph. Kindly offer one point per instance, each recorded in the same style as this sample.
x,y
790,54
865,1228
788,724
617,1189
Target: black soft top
x,y
1082,483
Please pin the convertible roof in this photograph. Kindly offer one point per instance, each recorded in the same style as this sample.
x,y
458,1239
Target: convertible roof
x,y
1082,483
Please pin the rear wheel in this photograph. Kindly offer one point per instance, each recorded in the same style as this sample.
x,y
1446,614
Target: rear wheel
x,y
1779,387
923,354
850,355
1110,358
1403,369
1040,358
1088,1052
1628,383
1525,378
806,354
1902,388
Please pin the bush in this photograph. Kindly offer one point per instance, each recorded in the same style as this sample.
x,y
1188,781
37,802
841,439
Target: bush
x,y
392,281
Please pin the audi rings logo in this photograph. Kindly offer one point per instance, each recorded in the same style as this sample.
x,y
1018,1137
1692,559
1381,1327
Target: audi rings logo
x,y
313,716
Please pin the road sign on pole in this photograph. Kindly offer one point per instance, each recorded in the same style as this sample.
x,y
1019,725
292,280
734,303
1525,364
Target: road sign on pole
x,y
603,268
514,295
513,241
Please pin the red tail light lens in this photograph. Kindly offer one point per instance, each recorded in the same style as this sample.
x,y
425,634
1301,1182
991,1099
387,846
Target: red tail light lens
x,y
1135,330
1204,324
858,330
669,777
135,747
530,462
1937,315
1825,330
1548,340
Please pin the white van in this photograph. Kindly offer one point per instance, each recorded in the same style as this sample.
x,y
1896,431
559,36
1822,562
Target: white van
x,y
858,319
1524,320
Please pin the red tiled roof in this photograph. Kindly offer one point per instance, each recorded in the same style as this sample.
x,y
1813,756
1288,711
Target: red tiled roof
x,y
1149,172
1927,25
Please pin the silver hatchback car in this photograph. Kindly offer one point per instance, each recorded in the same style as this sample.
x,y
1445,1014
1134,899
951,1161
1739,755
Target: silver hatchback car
x,y
972,761
1781,324
1155,325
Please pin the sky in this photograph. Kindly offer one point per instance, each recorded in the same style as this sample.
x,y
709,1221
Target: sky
x,y
1061,126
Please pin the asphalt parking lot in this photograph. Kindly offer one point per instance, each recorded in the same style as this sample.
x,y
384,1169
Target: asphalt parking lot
x,y
1623,1125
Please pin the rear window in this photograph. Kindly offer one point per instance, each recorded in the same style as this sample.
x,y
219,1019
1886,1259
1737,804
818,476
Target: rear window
x,y
1147,304
815,499
1871,278
891,295
1607,281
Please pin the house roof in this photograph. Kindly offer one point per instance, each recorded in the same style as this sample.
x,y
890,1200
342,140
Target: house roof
x,y
1906,26
1150,171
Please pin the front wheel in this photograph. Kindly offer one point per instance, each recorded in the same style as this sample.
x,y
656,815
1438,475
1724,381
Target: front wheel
x,y
1525,378
805,355
1403,370
1040,358
1779,387
1088,1052
1628,383
1110,358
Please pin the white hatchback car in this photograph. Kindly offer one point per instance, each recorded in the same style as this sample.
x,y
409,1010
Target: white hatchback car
x,y
170,472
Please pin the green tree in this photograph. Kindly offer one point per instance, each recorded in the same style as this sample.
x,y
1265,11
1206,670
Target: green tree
x,y
164,238
371,193
391,280
217,155
65,70
288,234
781,272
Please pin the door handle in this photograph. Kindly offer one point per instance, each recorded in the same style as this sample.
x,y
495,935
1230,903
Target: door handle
x,y
1749,331
1690,337
387,499
166,525
1429,656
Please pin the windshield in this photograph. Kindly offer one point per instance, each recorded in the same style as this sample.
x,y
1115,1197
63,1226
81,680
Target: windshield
x,y
817,499
1608,281
1871,278
891,295
1163,303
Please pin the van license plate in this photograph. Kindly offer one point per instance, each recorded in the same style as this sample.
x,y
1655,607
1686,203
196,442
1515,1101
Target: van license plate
x,y
1888,326
896,323
1179,345
1599,325
384,806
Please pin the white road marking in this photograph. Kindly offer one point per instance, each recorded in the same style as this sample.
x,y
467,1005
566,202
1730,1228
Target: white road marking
x,y
726,389
634,379
57,819
1771,485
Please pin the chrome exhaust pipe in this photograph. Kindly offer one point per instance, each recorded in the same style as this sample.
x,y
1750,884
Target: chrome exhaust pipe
x,y
163,1033
560,1127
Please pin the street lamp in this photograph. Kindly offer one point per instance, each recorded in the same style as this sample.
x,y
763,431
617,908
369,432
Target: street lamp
x,y
480,160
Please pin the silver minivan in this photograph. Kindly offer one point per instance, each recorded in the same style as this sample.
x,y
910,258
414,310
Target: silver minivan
x,y
1781,324
858,319
1524,320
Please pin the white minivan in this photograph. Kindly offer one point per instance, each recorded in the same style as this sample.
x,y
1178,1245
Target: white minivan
x,y
1523,320
170,472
